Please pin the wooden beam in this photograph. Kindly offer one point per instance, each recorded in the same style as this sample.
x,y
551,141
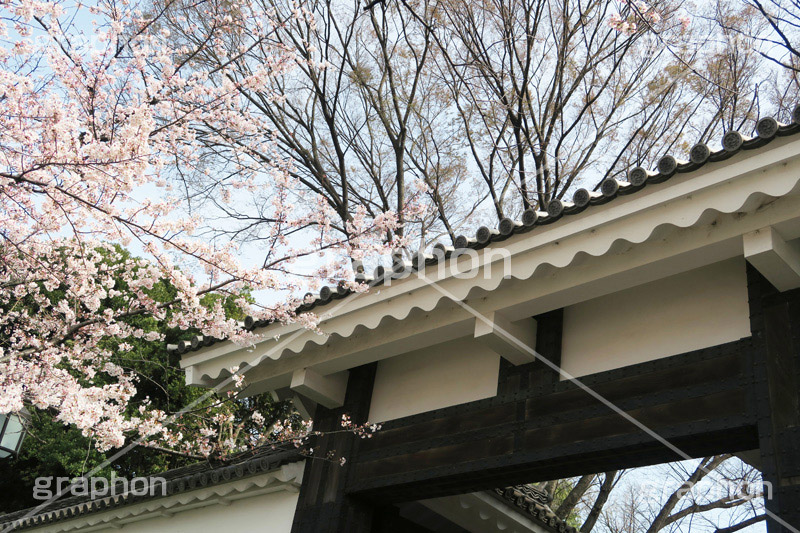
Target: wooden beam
x,y
515,342
697,401
327,391
777,260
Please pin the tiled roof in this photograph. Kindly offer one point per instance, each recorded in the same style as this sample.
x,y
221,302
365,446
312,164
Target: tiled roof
x,y
700,155
177,480
534,503
526,499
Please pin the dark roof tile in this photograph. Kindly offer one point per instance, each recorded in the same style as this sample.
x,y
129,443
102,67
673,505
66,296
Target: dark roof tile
x,y
535,504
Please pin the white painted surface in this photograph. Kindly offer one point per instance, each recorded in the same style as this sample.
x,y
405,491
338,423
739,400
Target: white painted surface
x,y
271,512
325,390
447,374
479,512
700,308
516,343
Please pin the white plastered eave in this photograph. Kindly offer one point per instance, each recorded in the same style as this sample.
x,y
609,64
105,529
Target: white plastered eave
x,y
744,186
479,512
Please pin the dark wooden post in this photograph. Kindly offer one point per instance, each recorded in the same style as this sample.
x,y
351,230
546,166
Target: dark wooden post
x,y
775,324
549,329
323,507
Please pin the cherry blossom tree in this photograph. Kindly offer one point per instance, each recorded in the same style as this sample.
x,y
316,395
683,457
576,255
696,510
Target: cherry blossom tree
x,y
99,111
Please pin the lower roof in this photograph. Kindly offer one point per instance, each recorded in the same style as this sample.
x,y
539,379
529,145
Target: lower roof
x,y
526,499
177,480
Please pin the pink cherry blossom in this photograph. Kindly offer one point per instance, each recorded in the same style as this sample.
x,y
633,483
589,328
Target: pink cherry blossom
x,y
96,138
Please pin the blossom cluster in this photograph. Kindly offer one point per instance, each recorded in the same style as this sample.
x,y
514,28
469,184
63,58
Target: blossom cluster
x,y
640,16
94,140
365,431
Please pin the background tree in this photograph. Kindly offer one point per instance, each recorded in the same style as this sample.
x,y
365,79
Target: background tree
x,y
359,117
460,114
779,40
720,494
772,26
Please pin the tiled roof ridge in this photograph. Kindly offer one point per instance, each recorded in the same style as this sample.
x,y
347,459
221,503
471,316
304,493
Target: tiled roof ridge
x,y
177,480
767,129
534,503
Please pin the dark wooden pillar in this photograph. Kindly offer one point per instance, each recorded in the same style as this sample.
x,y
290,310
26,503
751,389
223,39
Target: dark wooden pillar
x,y
323,507
775,324
549,330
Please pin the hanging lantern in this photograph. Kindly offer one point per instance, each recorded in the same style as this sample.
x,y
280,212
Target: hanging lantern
x,y
12,430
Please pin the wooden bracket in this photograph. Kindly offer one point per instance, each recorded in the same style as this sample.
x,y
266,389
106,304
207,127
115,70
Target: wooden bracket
x,y
515,342
325,390
777,260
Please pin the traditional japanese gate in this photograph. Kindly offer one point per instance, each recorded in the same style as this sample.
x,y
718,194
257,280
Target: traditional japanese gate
x,y
706,260
733,397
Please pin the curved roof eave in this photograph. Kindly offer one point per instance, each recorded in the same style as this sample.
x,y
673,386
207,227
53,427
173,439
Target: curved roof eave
x,y
737,182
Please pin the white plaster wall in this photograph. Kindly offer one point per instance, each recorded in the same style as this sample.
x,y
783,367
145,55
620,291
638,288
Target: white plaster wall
x,y
688,311
447,374
272,512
